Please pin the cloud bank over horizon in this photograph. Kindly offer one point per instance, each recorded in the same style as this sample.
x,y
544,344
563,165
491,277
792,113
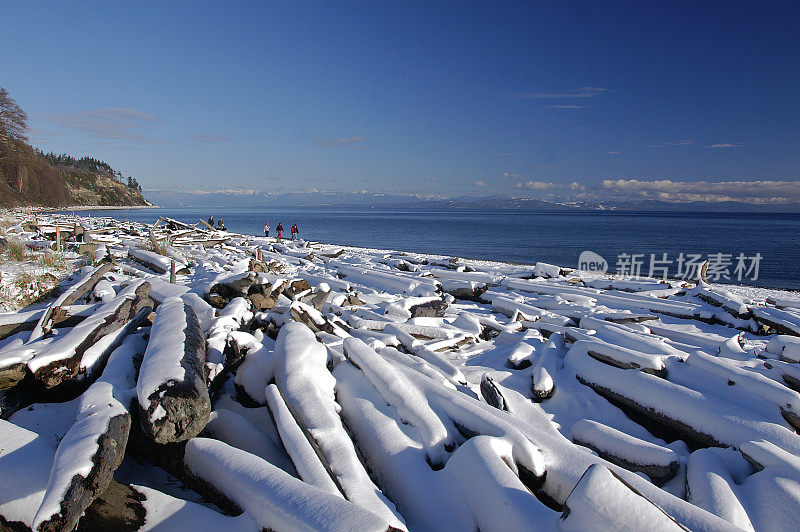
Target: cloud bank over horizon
x,y
610,191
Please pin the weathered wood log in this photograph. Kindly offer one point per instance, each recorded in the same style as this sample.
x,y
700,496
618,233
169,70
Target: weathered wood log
x,y
118,508
296,287
70,491
657,462
782,321
60,360
491,392
432,309
70,296
316,321
274,499
702,419
234,285
173,397
602,500
309,461
154,261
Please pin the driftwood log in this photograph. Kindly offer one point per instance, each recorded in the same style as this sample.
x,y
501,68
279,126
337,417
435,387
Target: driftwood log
x,y
173,409
70,296
60,360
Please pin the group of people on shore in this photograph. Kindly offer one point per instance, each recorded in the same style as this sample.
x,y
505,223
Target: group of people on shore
x,y
279,229
220,223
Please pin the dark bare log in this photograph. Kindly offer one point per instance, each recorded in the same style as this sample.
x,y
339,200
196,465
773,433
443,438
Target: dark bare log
x,y
491,392
432,309
118,508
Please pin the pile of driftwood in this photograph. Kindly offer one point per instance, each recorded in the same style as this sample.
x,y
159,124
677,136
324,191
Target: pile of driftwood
x,y
300,385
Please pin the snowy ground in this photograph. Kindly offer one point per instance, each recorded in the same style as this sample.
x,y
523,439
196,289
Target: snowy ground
x,y
331,387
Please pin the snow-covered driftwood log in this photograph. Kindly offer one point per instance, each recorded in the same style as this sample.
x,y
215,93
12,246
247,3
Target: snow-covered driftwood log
x,y
173,397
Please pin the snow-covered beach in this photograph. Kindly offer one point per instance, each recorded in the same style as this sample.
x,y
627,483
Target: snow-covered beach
x,y
189,378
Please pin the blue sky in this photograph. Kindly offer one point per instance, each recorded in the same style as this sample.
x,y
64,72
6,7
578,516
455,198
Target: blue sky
x,y
450,98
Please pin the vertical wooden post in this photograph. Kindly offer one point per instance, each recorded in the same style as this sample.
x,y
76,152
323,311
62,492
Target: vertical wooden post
x,y
58,239
172,272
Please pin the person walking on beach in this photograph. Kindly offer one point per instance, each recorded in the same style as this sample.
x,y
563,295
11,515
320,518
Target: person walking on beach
x,y
294,231
266,229
279,229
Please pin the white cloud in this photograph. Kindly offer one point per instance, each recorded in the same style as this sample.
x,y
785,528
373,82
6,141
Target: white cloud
x,y
349,143
757,192
565,107
725,145
580,92
536,185
479,184
115,123
672,144
431,179
612,152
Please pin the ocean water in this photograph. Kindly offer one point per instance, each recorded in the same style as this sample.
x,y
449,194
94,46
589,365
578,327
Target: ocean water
x,y
733,243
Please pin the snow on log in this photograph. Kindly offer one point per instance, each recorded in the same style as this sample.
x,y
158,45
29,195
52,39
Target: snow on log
x,y
657,462
173,398
235,315
710,486
60,360
308,389
427,499
314,320
520,357
391,282
687,333
626,337
155,261
416,347
272,498
237,431
300,449
25,463
255,372
703,418
521,311
603,501
70,296
484,471
725,299
85,459
548,358
411,404
620,357
750,383
782,321
788,347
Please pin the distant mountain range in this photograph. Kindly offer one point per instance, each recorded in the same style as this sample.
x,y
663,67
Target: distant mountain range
x,y
258,199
